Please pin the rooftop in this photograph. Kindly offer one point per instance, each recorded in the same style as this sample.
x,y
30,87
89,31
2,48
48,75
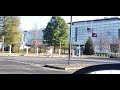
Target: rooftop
x,y
33,30
103,19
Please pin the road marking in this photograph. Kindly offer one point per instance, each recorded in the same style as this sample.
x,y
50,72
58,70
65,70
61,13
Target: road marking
x,y
33,64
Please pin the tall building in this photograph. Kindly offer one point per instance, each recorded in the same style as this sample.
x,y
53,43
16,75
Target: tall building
x,y
102,31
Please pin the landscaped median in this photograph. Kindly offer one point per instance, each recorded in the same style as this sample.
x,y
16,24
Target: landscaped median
x,y
67,66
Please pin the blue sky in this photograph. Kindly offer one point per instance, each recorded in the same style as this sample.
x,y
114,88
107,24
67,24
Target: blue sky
x,y
27,22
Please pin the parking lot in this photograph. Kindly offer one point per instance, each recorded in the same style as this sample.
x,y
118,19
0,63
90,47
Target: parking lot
x,y
35,65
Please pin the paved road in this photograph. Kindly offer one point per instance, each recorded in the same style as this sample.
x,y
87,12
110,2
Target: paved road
x,y
14,67
34,65
57,60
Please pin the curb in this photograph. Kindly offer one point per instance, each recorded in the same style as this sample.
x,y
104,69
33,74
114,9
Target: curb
x,y
63,68
50,66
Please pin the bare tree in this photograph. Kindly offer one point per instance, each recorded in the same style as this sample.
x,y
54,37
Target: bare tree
x,y
115,45
36,40
35,36
102,43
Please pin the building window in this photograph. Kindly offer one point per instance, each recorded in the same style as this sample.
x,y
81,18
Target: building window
x,y
76,30
119,34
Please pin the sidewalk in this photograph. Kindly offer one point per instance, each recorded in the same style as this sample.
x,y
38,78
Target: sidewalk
x,y
7,54
55,55
39,55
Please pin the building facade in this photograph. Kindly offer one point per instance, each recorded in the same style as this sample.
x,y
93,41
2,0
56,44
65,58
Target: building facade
x,y
31,37
103,32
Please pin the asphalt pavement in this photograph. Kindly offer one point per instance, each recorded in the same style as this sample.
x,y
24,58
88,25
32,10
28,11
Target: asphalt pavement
x,y
13,66
35,65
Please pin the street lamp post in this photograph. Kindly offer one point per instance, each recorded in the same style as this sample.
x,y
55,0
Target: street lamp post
x,y
70,40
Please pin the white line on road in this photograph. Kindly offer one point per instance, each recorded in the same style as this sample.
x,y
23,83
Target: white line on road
x,y
33,64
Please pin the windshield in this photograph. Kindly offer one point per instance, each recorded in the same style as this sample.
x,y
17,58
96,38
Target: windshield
x,y
59,44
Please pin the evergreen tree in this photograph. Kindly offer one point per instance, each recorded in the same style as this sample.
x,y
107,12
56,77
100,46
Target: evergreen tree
x,y
56,32
89,49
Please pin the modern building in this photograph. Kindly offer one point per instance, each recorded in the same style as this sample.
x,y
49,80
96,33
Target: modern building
x,y
102,31
31,37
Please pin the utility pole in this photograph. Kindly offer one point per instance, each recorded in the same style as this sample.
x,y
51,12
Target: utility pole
x,y
70,40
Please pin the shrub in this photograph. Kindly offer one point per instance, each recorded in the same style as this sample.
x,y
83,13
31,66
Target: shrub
x,y
6,48
15,49
42,50
89,49
31,50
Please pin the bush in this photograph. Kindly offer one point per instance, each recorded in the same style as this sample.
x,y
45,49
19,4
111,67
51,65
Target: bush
x,y
89,49
31,50
41,51
114,56
15,49
6,48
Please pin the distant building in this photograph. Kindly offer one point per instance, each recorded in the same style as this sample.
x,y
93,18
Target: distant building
x,y
106,28
31,37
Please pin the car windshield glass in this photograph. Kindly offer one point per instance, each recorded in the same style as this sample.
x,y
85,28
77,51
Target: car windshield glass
x,y
59,44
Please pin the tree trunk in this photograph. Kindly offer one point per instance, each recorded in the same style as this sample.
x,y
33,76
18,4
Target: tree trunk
x,y
54,49
115,54
100,52
64,50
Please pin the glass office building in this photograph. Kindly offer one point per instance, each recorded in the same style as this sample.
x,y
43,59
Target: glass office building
x,y
106,30
29,37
